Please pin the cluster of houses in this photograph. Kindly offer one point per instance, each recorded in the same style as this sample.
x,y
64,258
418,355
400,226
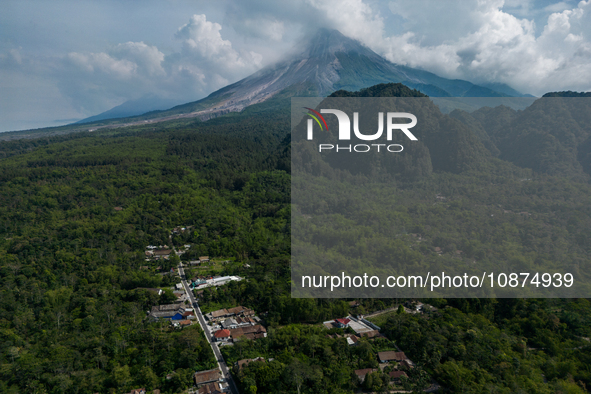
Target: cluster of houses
x,y
179,315
233,323
210,382
157,252
400,361
353,339
365,329
200,260
222,314
249,332
182,249
359,324
164,251
361,327
238,322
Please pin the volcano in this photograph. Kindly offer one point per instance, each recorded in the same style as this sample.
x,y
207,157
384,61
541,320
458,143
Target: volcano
x,y
326,62
329,61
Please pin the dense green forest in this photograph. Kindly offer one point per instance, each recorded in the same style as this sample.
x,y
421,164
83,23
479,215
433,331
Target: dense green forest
x,y
73,274
72,300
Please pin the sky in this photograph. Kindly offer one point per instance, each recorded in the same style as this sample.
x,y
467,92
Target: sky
x,y
64,60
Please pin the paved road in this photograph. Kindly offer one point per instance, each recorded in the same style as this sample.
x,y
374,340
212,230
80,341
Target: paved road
x,y
216,351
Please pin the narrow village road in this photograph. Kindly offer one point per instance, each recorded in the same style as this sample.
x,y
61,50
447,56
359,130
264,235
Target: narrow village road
x,y
216,351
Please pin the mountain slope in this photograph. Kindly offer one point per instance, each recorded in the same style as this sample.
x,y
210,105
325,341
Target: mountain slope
x,y
329,61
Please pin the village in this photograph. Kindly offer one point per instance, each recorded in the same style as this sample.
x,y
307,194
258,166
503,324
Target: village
x,y
227,326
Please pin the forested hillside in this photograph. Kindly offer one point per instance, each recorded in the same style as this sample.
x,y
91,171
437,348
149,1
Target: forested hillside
x,y
552,136
73,274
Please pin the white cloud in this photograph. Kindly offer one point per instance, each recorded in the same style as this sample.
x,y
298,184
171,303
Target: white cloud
x,y
476,40
205,62
148,59
494,46
203,43
353,18
102,63
204,38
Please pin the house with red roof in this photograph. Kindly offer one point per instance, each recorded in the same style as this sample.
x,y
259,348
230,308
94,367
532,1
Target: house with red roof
x,y
342,323
189,315
222,335
185,323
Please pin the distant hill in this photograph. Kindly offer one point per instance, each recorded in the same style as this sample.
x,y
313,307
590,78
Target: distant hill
x,y
381,90
506,89
552,136
133,108
567,93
